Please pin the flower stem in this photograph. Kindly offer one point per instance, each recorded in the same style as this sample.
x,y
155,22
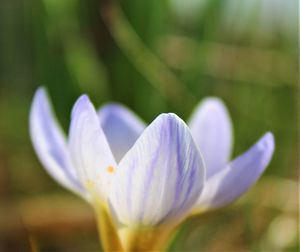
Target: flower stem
x,y
147,239
107,232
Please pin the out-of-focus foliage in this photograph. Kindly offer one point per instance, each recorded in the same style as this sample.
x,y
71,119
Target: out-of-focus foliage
x,y
154,56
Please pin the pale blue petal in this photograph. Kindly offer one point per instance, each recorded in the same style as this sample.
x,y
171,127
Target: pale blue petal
x,y
161,177
211,128
240,174
90,152
50,144
121,127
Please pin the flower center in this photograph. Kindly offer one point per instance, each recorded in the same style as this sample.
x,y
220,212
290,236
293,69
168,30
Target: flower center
x,y
90,184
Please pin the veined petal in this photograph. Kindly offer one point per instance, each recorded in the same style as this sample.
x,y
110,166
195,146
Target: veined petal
x,y
121,127
211,128
50,144
89,149
231,182
161,177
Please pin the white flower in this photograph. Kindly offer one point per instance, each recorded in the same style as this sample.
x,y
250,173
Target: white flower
x,y
149,177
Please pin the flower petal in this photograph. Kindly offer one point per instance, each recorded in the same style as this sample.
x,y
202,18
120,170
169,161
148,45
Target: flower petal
x,y
238,176
161,177
89,149
50,144
121,127
211,128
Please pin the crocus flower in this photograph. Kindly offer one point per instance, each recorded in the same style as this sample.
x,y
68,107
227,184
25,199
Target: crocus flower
x,y
146,176
147,182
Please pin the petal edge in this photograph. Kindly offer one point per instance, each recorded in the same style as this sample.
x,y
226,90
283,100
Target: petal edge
x,y
90,152
121,127
211,128
238,176
50,144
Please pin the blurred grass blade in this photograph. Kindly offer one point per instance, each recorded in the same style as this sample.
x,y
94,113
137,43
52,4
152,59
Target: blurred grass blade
x,y
147,63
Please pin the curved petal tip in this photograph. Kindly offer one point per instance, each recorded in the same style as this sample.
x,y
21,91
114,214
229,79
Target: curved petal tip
x,y
49,142
161,176
238,176
266,147
211,128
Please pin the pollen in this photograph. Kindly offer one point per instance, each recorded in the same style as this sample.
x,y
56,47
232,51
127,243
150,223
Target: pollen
x,y
110,169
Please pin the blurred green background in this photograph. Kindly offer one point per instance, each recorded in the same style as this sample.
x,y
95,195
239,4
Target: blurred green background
x,y
153,56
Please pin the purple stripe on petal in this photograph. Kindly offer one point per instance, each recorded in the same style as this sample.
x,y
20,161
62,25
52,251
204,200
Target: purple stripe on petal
x,y
191,182
150,173
179,206
129,186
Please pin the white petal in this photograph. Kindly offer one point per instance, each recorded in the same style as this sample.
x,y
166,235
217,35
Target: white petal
x,y
50,144
238,176
161,177
121,127
89,149
211,128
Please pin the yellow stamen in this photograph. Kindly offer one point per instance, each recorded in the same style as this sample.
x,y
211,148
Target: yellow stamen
x,y
110,169
90,184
